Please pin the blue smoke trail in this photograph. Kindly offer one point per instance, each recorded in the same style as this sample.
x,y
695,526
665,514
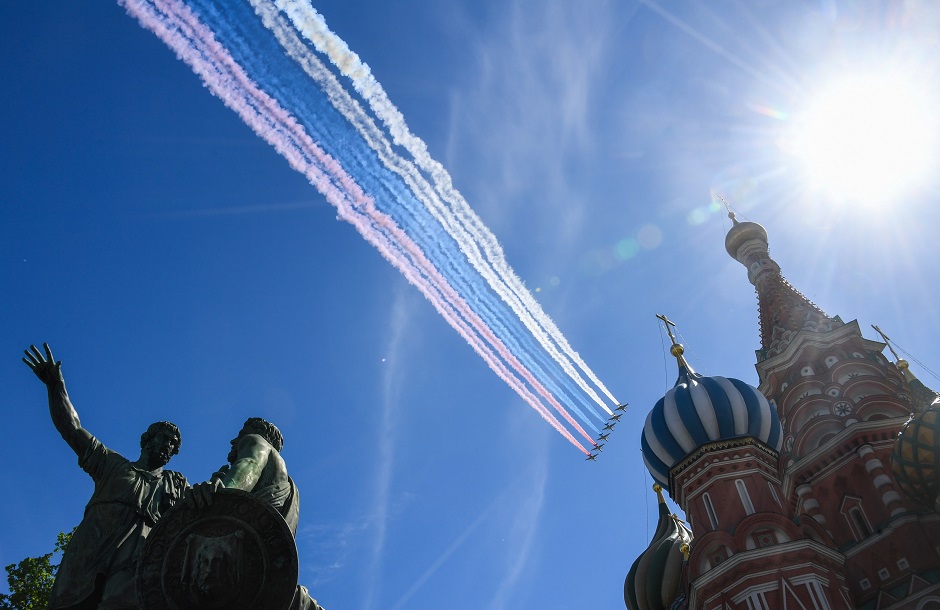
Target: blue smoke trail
x,y
257,51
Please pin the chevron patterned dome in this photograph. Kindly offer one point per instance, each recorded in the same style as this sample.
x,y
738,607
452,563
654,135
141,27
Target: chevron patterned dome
x,y
655,579
701,410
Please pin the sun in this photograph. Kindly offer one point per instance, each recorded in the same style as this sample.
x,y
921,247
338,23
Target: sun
x,y
866,138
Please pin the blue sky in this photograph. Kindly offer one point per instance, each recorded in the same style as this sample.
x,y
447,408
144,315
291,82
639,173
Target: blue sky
x,y
181,270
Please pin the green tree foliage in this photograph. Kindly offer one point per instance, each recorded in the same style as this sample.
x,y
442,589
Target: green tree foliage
x,y
30,580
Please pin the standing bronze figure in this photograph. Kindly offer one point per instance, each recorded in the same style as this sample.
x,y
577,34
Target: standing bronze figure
x,y
256,466
99,565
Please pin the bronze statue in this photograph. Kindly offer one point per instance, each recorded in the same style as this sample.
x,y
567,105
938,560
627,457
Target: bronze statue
x,y
99,565
236,553
256,466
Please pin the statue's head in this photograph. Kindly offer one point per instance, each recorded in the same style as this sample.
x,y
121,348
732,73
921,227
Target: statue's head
x,y
161,441
264,429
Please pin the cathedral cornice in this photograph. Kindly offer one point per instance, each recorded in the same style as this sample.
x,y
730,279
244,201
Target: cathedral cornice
x,y
884,532
734,569
805,339
830,456
744,441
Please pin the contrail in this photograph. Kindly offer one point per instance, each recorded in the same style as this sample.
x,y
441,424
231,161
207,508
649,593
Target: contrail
x,y
419,187
313,27
452,548
199,33
406,212
196,45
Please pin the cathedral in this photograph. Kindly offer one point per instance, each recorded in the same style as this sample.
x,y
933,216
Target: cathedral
x,y
816,490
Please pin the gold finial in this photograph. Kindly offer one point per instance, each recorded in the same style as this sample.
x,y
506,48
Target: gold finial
x,y
685,550
659,492
734,220
676,350
901,363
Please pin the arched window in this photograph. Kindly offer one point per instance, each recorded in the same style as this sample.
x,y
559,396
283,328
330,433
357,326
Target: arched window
x,y
855,517
745,497
710,511
773,494
860,523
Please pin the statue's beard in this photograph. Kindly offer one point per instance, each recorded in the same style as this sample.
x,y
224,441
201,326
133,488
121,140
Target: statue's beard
x,y
159,455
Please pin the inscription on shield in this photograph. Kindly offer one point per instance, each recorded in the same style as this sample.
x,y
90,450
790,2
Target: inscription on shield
x,y
237,553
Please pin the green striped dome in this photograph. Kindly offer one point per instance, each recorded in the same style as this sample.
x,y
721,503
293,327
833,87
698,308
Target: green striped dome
x,y
655,580
915,460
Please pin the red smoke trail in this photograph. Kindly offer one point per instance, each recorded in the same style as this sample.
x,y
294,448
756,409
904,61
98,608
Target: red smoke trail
x,y
494,268
469,245
195,44
201,36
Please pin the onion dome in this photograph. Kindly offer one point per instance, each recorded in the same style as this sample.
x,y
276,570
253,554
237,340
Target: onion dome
x,y
915,460
700,410
655,579
741,233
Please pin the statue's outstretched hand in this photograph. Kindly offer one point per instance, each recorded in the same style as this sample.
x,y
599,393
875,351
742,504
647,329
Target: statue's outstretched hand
x,y
221,473
200,494
46,368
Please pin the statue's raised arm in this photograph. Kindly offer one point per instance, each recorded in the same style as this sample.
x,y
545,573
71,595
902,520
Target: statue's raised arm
x,y
64,415
99,566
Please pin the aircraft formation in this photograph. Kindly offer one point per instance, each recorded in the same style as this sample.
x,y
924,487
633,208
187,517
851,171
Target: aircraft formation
x,y
605,432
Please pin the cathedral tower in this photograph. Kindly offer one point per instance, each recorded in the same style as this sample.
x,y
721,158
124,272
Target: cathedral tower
x,y
816,490
841,405
714,443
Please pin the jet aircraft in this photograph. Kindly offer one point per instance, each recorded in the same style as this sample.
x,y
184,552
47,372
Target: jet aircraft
x,y
592,457
616,417
603,437
622,407
610,425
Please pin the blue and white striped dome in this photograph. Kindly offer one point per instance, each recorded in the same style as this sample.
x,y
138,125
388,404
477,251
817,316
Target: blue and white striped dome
x,y
701,410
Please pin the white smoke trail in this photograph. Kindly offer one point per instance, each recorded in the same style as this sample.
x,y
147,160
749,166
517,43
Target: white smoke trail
x,y
375,138
195,44
313,27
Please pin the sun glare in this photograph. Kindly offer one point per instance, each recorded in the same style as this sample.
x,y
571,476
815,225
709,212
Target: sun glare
x,y
866,138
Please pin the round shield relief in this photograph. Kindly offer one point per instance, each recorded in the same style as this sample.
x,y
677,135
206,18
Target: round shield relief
x,y
237,553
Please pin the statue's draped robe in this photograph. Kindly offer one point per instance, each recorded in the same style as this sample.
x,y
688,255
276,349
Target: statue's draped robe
x,y
286,499
126,504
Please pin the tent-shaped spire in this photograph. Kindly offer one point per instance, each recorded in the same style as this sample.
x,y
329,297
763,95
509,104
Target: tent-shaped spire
x,y
784,311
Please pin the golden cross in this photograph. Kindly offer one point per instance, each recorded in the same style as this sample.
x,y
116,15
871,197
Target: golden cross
x,y
727,207
668,323
887,341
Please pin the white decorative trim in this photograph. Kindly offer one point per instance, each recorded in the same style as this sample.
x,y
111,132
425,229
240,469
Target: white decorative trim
x,y
889,497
